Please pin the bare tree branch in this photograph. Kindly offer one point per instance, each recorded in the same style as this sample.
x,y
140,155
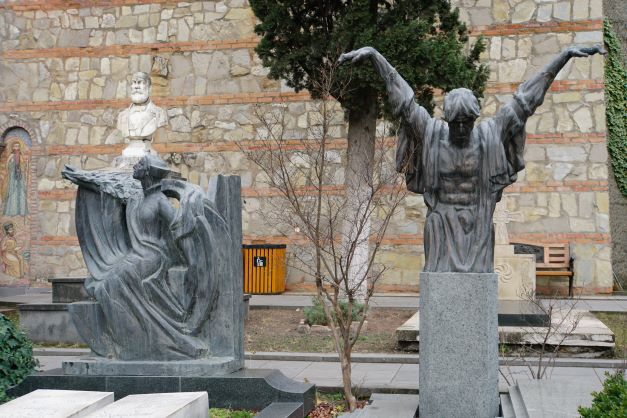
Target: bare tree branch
x,y
310,203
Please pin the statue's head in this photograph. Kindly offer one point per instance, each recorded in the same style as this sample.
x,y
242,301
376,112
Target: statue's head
x,y
151,166
461,109
140,88
9,229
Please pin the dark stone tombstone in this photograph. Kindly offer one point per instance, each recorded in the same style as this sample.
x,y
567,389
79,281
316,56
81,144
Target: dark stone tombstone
x,y
165,310
166,299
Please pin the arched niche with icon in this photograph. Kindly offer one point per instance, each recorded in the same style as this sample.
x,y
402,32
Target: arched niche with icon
x,y
15,178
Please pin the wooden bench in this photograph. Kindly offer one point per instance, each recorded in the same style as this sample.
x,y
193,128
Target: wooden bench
x,y
551,260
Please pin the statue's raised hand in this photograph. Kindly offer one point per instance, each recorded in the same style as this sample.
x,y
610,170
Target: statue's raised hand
x,y
585,51
356,55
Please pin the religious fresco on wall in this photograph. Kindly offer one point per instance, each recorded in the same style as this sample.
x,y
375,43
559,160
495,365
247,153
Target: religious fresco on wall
x,y
14,221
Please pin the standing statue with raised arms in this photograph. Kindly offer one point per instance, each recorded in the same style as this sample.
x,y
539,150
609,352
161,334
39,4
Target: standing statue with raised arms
x,y
461,169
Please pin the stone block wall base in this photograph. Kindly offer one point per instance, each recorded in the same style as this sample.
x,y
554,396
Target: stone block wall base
x,y
245,389
97,366
458,345
48,323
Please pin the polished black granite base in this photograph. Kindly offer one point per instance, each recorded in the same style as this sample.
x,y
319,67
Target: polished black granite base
x,y
521,313
253,389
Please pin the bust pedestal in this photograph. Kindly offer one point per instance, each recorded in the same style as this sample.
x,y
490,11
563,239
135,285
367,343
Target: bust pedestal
x,y
136,149
459,363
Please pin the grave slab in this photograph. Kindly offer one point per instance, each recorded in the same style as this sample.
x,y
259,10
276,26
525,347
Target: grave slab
x,y
56,404
590,339
158,405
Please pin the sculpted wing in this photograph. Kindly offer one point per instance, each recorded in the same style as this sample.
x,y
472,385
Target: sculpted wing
x,y
101,216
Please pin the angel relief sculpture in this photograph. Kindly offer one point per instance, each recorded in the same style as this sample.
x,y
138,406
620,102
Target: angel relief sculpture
x,y
156,269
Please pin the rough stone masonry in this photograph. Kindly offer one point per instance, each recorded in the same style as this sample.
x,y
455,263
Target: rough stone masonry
x,y
66,77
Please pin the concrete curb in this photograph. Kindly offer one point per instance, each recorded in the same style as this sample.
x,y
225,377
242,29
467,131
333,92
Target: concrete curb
x,y
380,358
414,359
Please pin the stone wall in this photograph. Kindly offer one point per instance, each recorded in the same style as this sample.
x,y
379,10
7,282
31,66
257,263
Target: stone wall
x,y
66,73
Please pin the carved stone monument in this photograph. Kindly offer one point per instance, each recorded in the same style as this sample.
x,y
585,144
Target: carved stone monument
x,y
517,272
139,122
166,308
461,170
165,281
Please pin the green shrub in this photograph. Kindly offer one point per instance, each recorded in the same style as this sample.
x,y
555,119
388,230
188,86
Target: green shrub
x,y
611,402
229,413
616,106
314,315
16,356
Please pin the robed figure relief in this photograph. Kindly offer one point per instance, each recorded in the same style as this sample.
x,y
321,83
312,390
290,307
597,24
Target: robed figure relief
x,y
11,252
155,269
461,168
15,181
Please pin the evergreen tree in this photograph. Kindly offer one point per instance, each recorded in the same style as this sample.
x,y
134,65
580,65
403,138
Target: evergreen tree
x,y
423,39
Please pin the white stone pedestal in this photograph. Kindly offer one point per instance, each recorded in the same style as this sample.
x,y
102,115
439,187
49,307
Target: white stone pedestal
x,y
136,149
52,403
458,345
158,405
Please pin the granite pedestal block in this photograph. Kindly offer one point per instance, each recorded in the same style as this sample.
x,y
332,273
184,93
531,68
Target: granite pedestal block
x,y
48,323
68,289
458,345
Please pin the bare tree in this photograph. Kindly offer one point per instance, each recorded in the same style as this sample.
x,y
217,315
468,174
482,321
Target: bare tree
x,y
311,206
538,347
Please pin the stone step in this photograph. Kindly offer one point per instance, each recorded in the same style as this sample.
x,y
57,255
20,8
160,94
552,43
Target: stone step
x,y
556,398
56,404
507,409
282,410
387,405
158,405
520,411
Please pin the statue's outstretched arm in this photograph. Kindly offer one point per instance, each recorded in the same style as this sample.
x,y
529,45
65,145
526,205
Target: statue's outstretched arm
x,y
400,93
530,94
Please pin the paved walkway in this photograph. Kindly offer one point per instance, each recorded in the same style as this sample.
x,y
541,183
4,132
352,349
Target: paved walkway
x,y
299,300
376,376
410,301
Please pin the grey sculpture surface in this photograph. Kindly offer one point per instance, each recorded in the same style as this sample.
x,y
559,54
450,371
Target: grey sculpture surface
x,y
157,271
461,168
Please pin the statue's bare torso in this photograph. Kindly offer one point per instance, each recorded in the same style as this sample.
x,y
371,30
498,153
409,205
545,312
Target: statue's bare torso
x,y
459,170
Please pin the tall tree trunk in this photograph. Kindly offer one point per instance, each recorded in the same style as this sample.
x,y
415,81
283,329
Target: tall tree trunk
x,y
345,364
362,121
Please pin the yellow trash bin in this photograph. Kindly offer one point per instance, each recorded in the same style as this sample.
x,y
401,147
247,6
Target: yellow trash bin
x,y
264,268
